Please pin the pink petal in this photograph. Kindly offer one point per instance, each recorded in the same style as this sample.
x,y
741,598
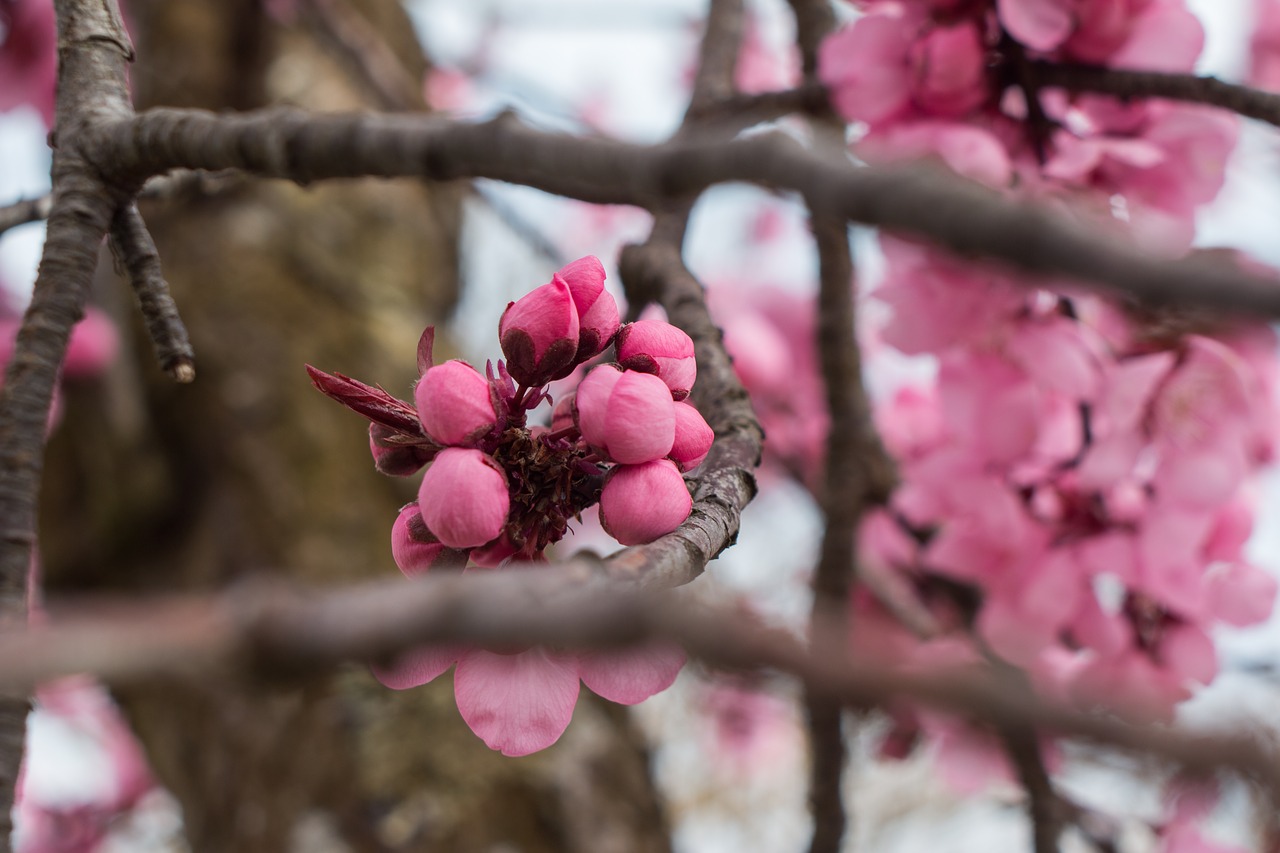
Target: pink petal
x,y
1165,37
1240,594
865,67
640,423
693,437
652,346
454,404
463,498
519,703
591,403
1041,25
1056,355
1188,651
628,676
418,666
639,503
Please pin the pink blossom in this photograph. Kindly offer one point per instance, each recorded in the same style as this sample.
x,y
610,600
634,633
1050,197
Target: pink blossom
x,y
28,56
652,346
866,66
974,152
396,460
598,319
463,498
1041,25
94,344
539,334
415,549
1239,594
521,702
642,502
950,70
1264,45
628,416
693,438
454,404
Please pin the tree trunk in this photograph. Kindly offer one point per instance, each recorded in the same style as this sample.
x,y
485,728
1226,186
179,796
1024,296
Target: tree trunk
x,y
153,486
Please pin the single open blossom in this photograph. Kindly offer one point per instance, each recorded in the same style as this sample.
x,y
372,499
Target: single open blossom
x,y
611,402
463,498
522,702
539,334
454,404
642,502
651,346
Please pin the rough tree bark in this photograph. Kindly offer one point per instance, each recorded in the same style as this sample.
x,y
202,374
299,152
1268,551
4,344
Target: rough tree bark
x,y
157,486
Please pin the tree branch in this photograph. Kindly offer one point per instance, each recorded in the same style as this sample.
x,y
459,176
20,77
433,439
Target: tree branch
x,y
92,50
1252,103
951,212
269,630
137,253
22,212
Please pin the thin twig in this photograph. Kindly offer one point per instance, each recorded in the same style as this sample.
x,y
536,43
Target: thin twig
x,y
137,253
367,54
1252,103
1043,805
22,212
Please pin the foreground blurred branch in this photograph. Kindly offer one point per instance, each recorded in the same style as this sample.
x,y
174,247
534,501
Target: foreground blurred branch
x,y
270,630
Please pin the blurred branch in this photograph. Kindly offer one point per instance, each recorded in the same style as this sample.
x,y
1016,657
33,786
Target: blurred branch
x,y
1044,808
1252,103
956,214
270,630
22,212
136,251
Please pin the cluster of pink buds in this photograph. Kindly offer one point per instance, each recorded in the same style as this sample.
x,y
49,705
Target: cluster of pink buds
x,y
498,489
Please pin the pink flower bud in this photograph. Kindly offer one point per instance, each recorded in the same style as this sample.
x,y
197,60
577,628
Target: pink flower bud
x,y
396,460
651,346
642,502
693,438
539,334
416,550
628,416
598,318
454,404
463,498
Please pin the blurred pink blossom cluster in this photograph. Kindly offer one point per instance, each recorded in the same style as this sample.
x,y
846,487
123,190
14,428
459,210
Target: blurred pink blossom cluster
x,y
28,56
58,823
1078,483
498,490
948,79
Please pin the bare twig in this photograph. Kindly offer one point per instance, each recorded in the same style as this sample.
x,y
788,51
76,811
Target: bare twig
x,y
22,212
1044,807
137,253
1252,103
366,54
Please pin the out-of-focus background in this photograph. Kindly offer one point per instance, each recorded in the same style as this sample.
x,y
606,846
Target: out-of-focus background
x,y
158,487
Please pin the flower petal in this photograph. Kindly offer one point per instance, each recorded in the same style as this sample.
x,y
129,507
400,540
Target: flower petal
x,y
628,676
517,704
418,666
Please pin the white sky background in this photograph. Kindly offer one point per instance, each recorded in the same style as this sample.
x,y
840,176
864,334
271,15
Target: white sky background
x,y
629,57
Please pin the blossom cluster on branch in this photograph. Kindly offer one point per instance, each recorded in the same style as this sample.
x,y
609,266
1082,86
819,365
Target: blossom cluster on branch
x,y
499,490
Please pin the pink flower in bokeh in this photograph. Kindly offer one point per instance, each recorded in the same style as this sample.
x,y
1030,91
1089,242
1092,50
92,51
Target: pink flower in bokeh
x,y
28,56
